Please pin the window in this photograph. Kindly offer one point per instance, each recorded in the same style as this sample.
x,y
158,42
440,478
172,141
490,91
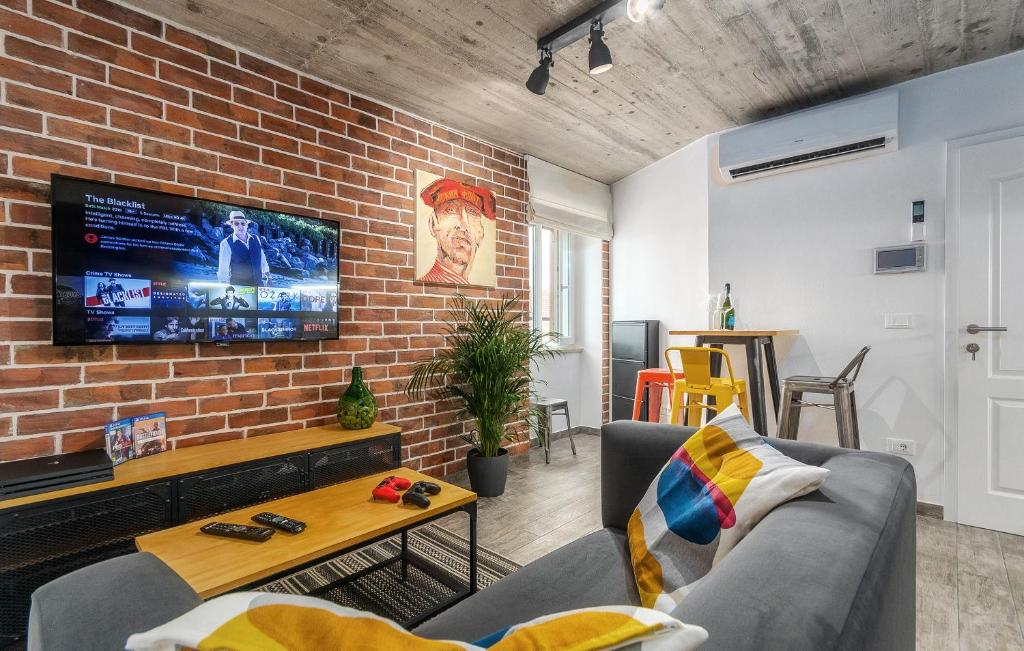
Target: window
x,y
550,281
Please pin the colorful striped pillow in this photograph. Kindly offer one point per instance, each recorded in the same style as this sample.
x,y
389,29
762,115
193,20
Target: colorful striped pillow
x,y
713,490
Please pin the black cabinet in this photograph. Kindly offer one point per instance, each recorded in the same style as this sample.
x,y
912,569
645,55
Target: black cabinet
x,y
636,345
40,543
45,540
355,460
207,494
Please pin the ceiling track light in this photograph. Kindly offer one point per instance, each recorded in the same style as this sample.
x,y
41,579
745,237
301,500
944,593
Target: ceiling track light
x,y
600,57
589,24
538,81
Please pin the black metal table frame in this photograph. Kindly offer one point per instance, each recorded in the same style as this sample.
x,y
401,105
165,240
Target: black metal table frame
x,y
755,370
406,559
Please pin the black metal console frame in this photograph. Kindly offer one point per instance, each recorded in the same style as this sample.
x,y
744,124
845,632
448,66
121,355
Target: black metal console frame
x,y
13,633
406,559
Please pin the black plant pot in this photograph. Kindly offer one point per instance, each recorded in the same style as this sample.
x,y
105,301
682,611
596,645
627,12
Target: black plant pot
x,y
487,475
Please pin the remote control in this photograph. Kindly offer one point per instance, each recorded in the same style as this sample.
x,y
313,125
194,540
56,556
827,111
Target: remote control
x,y
279,522
241,531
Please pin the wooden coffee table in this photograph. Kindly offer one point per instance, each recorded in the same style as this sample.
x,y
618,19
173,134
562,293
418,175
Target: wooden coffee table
x,y
339,519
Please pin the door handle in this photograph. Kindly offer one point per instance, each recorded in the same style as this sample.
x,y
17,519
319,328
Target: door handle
x,y
974,329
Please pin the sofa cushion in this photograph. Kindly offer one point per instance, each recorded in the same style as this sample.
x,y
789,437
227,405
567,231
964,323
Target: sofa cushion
x,y
710,494
591,571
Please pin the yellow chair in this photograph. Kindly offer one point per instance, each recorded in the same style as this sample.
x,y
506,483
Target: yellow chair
x,y
692,377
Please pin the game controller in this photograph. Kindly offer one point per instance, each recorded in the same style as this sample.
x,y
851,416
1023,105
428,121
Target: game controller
x,y
388,489
428,487
416,498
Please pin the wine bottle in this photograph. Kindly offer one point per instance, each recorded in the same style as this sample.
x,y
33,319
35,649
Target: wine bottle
x,y
728,311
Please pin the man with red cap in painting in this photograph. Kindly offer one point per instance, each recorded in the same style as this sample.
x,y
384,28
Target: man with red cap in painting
x,y
457,226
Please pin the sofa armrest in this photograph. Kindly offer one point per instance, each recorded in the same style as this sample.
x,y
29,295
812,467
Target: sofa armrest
x,y
632,453
99,606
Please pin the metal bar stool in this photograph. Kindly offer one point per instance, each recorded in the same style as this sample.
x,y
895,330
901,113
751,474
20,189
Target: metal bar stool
x,y
653,380
552,407
844,401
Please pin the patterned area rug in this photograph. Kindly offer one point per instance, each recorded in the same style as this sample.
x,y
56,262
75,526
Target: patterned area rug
x,y
383,591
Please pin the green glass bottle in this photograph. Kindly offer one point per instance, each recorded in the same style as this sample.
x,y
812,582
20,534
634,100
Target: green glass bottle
x,y
357,408
728,311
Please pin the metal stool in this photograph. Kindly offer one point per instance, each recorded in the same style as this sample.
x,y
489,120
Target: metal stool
x,y
843,401
551,406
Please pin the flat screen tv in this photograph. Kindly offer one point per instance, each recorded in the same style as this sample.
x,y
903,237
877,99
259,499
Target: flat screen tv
x,y
137,266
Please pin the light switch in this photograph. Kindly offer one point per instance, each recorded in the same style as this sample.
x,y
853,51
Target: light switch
x,y
898,321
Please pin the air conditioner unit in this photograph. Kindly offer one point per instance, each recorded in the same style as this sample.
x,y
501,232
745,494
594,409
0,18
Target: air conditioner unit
x,y
854,128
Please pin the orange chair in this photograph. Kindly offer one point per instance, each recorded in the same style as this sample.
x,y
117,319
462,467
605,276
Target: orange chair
x,y
695,380
653,379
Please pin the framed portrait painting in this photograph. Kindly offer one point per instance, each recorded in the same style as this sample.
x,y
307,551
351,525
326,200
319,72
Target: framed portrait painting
x,y
456,229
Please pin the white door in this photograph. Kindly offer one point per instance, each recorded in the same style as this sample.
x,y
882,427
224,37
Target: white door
x,y
990,294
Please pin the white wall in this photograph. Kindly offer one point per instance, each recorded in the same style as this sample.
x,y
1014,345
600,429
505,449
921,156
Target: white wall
x,y
797,249
660,248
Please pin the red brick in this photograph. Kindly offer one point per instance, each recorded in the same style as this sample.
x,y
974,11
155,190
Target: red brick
x,y
207,367
47,354
127,352
126,372
315,410
341,144
119,98
308,183
230,402
16,23
173,408
276,193
67,419
186,426
76,20
191,388
211,180
190,441
227,146
268,139
31,285
97,395
80,441
161,50
278,159
259,382
42,169
19,119
175,154
299,98
36,76
22,237
25,307
263,103
199,44
118,56
250,170
270,429
148,87
26,448
271,364
200,121
122,16
292,396
53,58
145,126
368,136
260,417
132,164
224,109
37,400
323,90
241,78
91,134
267,69
287,127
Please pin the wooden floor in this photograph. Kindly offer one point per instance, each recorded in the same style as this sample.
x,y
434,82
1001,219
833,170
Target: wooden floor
x,y
970,582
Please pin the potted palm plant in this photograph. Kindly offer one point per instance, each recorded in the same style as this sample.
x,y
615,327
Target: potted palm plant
x,y
486,370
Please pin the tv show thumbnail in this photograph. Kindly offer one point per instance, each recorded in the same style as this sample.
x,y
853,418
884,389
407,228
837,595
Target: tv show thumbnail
x,y
279,328
169,295
108,292
315,326
232,298
179,328
232,328
106,326
278,299
318,298
197,297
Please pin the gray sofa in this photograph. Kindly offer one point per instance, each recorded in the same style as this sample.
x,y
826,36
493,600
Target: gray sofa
x,y
832,570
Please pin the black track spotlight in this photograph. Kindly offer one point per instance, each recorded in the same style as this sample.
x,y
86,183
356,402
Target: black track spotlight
x,y
600,55
538,81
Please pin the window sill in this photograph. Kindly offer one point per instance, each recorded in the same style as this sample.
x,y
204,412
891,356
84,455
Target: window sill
x,y
567,348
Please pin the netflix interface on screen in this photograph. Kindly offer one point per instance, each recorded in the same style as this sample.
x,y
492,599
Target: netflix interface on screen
x,y
148,267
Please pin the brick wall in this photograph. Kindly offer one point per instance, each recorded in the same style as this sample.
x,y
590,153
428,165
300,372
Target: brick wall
x,y
93,89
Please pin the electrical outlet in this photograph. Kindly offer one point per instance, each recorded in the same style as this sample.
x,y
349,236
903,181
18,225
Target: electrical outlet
x,y
901,446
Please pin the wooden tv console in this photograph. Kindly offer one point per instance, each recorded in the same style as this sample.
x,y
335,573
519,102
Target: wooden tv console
x,y
47,535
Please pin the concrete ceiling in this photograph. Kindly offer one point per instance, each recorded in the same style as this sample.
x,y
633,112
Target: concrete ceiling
x,y
697,67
